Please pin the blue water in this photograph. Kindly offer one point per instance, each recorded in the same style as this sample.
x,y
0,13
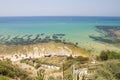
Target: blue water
x,y
77,29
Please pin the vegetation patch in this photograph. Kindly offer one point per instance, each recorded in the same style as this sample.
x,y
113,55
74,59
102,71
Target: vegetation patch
x,y
9,70
108,55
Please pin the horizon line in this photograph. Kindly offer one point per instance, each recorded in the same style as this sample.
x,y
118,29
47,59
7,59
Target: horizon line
x,y
58,16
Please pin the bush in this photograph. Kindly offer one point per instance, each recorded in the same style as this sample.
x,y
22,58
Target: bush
x,y
27,61
4,78
12,71
37,66
69,57
107,71
82,59
106,55
40,74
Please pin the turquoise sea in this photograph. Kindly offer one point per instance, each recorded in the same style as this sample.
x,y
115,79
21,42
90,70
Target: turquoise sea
x,y
76,28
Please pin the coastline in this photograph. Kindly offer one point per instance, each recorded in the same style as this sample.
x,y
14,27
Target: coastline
x,y
77,30
42,49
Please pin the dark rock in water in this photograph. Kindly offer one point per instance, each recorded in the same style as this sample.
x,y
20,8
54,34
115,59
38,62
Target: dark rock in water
x,y
30,39
54,37
59,34
25,36
108,27
47,37
108,34
104,39
29,36
36,38
57,40
42,34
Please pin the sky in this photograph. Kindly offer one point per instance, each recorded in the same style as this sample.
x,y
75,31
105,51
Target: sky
x,y
59,7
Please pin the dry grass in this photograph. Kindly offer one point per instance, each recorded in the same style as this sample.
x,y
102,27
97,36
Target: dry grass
x,y
50,47
52,60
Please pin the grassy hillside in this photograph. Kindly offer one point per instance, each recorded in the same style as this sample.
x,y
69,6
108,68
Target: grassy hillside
x,y
7,69
107,71
5,78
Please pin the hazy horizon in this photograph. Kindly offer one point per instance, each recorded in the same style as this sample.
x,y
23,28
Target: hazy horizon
x,y
56,16
60,8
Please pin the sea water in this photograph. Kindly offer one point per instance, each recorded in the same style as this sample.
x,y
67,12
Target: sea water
x,y
77,28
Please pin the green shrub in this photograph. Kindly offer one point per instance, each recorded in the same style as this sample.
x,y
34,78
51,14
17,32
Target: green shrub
x,y
27,61
4,78
12,71
69,57
107,71
40,74
106,55
81,59
37,66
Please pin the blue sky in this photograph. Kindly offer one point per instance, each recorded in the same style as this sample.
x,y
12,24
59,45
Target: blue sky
x,y
59,7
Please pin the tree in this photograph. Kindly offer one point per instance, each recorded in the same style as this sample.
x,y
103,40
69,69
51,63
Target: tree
x,y
103,56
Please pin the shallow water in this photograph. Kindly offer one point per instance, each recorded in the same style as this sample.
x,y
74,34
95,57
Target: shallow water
x,y
77,29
